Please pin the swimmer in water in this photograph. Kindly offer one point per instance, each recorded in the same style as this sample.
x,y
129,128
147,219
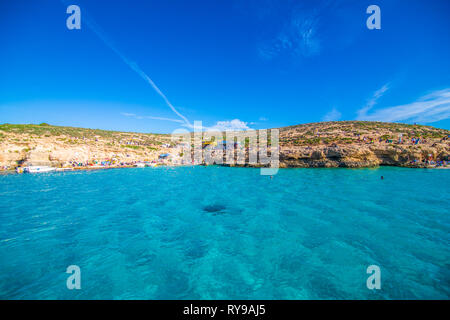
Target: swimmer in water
x,y
382,177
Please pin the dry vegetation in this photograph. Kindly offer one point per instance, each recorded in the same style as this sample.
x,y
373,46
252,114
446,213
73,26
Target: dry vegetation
x,y
353,132
325,144
47,144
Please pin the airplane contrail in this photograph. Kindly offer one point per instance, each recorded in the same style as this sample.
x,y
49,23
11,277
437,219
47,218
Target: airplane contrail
x,y
133,66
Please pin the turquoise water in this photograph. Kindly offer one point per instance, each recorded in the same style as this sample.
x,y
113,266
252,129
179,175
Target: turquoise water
x,y
226,233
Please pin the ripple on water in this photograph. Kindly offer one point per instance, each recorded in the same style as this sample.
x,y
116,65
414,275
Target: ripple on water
x,y
229,233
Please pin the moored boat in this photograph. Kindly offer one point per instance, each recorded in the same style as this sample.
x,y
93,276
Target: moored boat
x,y
38,169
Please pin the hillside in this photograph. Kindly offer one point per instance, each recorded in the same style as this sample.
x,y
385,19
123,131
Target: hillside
x,y
54,145
362,144
325,144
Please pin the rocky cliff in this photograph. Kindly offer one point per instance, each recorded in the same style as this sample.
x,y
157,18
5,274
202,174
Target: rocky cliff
x,y
59,146
362,144
326,144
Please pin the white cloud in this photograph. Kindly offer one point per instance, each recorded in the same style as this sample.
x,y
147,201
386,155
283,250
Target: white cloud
x,y
228,125
162,118
263,119
126,114
333,115
297,38
233,125
430,108
301,32
372,101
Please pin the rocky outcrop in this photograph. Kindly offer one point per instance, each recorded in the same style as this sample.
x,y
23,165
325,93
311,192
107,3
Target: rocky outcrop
x,y
354,156
362,144
22,145
349,144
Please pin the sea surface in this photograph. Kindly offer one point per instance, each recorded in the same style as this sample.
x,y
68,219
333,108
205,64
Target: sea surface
x,y
226,233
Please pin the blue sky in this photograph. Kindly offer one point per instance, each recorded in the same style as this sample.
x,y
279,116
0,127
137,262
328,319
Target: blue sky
x,y
231,64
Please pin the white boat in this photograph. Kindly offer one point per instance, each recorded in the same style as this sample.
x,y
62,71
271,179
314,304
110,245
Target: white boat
x,y
36,169
140,165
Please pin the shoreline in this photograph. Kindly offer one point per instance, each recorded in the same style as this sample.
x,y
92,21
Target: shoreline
x,y
91,168
347,144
